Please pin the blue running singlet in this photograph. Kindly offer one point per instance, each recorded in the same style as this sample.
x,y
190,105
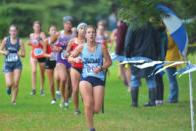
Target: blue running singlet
x,y
91,60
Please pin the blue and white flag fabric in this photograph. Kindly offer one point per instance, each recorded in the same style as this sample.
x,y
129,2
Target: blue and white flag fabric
x,y
149,64
189,68
136,60
127,60
170,65
116,57
175,28
157,67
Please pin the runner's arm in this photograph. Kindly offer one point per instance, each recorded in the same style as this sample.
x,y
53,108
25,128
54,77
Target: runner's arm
x,y
68,49
55,37
107,59
43,35
106,62
22,49
45,49
2,47
73,57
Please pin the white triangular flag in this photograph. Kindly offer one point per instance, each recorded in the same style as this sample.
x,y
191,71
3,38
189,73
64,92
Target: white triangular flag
x,y
149,64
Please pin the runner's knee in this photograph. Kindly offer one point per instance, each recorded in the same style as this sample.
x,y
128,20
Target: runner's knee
x,y
96,110
9,84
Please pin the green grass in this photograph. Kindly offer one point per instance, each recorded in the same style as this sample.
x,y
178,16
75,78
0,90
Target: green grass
x,y
36,113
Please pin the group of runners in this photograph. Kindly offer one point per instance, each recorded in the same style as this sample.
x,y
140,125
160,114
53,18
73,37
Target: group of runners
x,y
74,58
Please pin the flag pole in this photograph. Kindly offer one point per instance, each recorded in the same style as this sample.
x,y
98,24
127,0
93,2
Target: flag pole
x,y
191,99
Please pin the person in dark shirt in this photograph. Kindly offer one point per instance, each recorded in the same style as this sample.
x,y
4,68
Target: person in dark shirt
x,y
143,42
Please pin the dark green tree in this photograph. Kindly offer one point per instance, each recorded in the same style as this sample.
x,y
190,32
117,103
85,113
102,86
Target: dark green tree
x,y
24,12
138,12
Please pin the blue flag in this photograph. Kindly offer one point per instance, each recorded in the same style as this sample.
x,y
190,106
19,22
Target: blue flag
x,y
175,28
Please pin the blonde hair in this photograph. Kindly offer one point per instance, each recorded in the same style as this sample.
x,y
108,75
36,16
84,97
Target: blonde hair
x,y
14,26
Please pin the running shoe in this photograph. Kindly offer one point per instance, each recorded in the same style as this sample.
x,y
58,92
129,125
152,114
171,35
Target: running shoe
x,y
33,92
77,112
13,103
42,93
9,91
58,94
66,104
53,102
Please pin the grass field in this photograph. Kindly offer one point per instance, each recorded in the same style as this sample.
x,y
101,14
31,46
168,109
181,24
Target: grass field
x,y
35,113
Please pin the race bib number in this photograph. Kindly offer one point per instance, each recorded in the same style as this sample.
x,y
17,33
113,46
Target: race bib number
x,y
53,56
63,55
90,68
38,52
12,57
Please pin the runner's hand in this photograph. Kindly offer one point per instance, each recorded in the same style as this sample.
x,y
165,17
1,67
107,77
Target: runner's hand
x,y
97,70
6,52
77,60
66,55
